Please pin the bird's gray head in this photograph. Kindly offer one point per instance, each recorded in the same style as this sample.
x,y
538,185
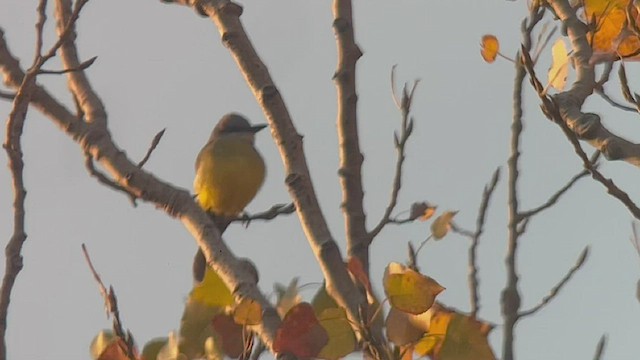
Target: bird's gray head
x,y
233,123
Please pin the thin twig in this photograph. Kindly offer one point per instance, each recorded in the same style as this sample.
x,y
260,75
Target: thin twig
x,y
272,213
105,180
400,142
473,249
553,199
83,66
7,95
111,307
556,289
600,348
154,144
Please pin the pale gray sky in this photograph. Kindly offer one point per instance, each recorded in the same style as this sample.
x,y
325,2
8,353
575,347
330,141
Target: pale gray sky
x,y
162,66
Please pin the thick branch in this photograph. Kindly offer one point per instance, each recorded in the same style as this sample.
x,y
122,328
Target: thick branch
x,y
95,139
510,298
587,126
226,16
351,157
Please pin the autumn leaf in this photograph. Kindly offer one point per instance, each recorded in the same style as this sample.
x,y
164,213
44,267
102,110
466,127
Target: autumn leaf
x,y
454,336
490,47
212,291
422,211
342,340
230,334
153,347
408,290
611,38
442,224
400,330
559,66
300,333
354,265
101,342
247,312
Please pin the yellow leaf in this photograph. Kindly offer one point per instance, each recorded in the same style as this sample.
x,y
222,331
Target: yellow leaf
x,y
611,37
560,66
408,290
465,340
442,224
212,291
247,312
427,345
490,47
342,340
454,336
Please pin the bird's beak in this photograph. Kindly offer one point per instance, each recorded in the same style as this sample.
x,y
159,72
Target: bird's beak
x,y
256,128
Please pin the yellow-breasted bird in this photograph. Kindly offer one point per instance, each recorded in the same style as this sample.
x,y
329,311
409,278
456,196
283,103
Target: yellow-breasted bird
x,y
229,173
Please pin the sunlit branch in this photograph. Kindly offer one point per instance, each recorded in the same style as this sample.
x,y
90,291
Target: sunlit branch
x,y
226,16
553,112
587,126
351,157
556,289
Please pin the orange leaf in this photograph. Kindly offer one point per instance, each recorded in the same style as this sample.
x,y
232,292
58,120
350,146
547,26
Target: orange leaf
x,y
408,290
300,333
247,312
442,224
422,211
611,38
454,336
490,47
230,334
354,265
115,351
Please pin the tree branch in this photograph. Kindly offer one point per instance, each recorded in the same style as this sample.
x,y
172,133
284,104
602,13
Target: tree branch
x,y
351,157
587,126
475,240
226,16
556,289
94,138
510,298
552,110
400,142
111,304
154,144
600,348
553,199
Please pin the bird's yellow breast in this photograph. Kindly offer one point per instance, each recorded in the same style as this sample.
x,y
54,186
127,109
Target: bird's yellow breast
x,y
229,173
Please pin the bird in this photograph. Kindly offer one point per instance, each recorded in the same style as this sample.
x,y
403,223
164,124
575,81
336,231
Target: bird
x,y
229,173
